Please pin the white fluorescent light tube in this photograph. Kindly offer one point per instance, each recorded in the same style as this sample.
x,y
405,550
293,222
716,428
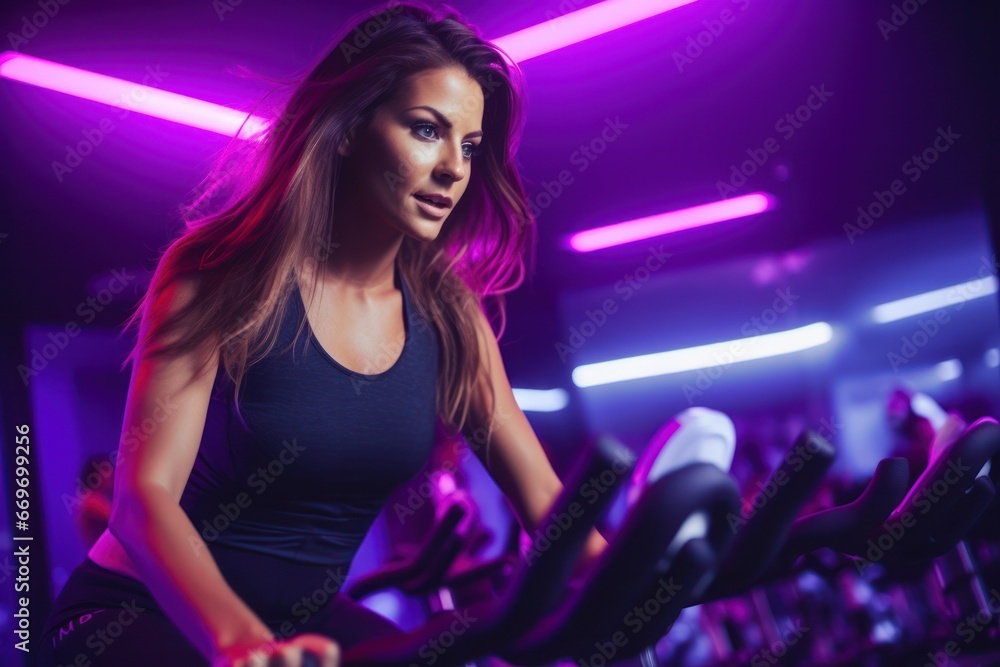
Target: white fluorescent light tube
x,y
703,356
940,298
541,400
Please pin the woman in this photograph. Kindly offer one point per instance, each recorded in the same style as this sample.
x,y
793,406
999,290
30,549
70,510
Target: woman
x,y
286,394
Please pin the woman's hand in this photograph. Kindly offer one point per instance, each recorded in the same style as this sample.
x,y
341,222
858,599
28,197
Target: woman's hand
x,y
596,544
288,653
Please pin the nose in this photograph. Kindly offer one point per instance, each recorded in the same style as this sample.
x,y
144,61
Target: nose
x,y
451,165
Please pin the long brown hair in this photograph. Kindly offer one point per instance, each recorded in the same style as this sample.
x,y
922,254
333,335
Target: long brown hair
x,y
278,211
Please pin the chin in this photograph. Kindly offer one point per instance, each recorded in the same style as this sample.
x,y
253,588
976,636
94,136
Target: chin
x,y
425,230
430,235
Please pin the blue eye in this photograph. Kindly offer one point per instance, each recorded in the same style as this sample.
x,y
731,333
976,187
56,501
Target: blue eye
x,y
424,125
469,150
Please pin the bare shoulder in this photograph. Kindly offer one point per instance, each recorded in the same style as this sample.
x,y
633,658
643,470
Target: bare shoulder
x,y
172,298
160,327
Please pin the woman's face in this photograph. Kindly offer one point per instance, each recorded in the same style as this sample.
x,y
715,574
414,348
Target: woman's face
x,y
411,164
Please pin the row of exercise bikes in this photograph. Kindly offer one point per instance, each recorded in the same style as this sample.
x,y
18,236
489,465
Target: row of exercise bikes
x,y
695,574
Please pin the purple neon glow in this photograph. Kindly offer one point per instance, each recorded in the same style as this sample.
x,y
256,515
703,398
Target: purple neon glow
x,y
580,25
528,43
672,221
446,484
128,95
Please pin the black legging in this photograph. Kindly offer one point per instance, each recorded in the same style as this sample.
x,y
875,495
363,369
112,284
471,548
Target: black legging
x,y
105,619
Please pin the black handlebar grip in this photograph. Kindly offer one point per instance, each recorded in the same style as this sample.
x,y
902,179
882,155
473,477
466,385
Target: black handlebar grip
x,y
590,488
760,536
540,582
846,527
639,555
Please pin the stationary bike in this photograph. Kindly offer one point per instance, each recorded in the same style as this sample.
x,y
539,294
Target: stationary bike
x,y
680,530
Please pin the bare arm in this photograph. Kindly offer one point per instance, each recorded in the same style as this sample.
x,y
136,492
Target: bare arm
x,y
516,459
167,403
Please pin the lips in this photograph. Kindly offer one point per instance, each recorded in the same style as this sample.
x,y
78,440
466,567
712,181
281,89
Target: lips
x,y
436,200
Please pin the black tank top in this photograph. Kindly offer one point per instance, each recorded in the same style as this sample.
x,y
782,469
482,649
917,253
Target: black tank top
x,y
301,470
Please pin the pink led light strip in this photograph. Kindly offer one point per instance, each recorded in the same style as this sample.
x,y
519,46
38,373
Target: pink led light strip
x,y
128,95
528,43
580,25
671,221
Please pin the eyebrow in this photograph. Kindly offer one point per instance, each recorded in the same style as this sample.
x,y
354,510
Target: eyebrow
x,y
444,121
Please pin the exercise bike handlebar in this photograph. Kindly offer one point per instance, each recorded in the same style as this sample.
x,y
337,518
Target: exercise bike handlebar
x,y
760,536
537,585
431,559
685,505
536,621
945,501
906,524
844,528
